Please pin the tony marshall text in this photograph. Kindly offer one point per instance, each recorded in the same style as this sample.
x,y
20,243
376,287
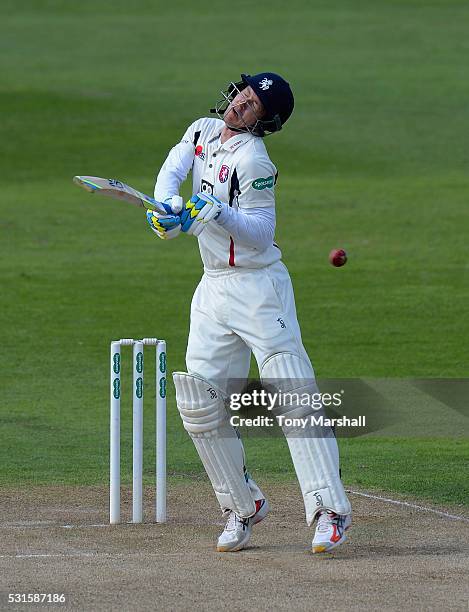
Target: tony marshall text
x,y
309,421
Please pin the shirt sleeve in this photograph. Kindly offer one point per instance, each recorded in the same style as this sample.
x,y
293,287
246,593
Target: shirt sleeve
x,y
176,167
256,177
254,227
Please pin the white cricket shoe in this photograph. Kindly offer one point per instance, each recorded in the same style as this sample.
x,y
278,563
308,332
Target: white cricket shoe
x,y
238,530
330,531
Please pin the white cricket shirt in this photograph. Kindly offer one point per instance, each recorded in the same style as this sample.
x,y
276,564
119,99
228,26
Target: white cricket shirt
x,y
238,172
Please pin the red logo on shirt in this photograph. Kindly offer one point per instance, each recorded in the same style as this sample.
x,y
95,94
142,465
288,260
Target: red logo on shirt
x,y
199,152
223,175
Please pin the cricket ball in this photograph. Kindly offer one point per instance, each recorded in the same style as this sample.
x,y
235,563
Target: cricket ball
x,y
338,257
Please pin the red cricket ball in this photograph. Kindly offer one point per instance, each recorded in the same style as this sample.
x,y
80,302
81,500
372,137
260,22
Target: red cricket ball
x,y
338,257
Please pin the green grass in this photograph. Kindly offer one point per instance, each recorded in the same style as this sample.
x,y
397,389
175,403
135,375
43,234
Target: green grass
x,y
374,160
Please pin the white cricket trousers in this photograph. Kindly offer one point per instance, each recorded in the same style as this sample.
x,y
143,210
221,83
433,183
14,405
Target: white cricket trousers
x,y
236,311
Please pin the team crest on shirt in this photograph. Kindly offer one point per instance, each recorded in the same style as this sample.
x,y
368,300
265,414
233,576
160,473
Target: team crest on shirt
x,y
223,174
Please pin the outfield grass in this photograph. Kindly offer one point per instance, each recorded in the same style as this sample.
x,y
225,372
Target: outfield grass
x,y
374,160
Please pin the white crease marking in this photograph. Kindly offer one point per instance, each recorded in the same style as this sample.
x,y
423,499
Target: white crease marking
x,y
41,555
388,500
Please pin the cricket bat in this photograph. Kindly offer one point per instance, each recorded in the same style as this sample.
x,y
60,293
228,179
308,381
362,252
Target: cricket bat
x,y
119,191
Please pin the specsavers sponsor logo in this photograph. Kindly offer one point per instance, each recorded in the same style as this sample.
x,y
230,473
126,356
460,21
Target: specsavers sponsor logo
x,y
116,388
139,362
163,362
139,387
263,183
163,387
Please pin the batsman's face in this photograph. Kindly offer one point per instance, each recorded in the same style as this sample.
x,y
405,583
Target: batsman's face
x,y
244,110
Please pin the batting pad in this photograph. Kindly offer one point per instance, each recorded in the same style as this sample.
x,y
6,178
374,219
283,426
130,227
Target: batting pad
x,y
313,449
206,420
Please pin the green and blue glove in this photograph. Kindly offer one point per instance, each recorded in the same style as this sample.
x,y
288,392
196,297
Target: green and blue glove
x,y
167,226
198,212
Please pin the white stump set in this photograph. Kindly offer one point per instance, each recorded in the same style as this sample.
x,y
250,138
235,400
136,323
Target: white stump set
x,y
137,424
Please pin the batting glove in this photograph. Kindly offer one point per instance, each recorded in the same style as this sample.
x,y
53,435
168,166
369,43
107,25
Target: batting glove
x,y
198,211
165,227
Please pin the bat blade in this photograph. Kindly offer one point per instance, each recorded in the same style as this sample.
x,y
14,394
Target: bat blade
x,y
119,191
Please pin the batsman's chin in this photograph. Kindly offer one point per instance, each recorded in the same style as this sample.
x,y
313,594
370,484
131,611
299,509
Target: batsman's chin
x,y
231,118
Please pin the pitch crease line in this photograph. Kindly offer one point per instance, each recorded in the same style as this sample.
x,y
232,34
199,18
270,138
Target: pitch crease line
x,y
388,500
42,555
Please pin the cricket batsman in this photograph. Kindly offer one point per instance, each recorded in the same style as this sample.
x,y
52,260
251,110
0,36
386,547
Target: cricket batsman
x,y
244,304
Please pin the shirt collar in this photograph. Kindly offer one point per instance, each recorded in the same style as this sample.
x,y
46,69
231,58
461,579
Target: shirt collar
x,y
236,141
